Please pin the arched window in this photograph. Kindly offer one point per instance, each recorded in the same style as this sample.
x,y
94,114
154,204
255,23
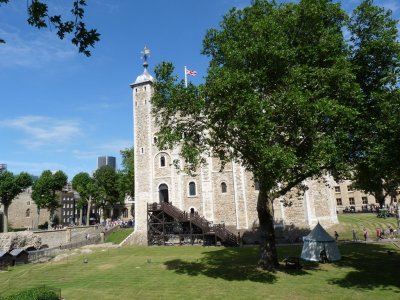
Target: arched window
x,y
28,213
223,187
162,161
192,189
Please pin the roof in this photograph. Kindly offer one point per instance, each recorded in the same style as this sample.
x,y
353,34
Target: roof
x,y
145,77
4,253
17,251
319,234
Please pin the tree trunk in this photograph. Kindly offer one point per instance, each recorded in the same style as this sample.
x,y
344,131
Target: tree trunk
x,y
5,218
38,218
381,198
268,254
88,211
51,211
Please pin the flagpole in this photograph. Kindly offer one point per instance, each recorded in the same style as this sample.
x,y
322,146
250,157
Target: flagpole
x,y
185,78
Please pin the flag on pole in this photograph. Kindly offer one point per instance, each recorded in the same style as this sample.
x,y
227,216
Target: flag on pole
x,y
190,72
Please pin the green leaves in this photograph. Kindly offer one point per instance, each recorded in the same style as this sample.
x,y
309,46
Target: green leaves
x,y
83,38
45,188
12,185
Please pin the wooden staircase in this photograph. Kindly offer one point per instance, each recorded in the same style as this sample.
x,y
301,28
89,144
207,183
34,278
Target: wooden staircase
x,y
162,217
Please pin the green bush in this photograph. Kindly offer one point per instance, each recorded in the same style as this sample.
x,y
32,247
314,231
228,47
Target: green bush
x,y
39,293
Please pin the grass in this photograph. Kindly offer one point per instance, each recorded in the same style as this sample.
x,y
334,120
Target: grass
x,y
358,221
118,235
366,271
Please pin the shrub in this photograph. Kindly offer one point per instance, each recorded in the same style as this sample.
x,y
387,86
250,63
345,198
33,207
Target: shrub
x,y
39,293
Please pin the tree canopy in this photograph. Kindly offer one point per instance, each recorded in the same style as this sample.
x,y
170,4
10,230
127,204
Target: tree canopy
x,y
10,187
106,180
282,96
40,17
126,176
87,189
44,191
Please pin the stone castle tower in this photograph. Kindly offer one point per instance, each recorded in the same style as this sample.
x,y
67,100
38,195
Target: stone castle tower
x,y
228,197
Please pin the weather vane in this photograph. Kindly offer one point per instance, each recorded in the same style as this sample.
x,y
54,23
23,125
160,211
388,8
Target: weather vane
x,y
145,55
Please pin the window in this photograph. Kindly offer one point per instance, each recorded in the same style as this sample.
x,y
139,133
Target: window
x,y
155,140
349,188
257,185
142,150
28,203
125,213
28,213
339,201
192,189
351,201
376,201
337,189
162,161
364,200
223,187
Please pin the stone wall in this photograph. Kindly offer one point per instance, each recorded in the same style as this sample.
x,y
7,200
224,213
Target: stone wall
x,y
22,213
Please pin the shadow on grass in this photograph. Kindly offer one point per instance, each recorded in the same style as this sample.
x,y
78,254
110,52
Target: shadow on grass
x,y
232,264
375,266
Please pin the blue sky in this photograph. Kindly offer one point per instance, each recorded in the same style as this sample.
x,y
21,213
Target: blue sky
x,y
60,109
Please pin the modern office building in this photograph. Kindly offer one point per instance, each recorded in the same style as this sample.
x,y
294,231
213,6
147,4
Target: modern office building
x,y
106,161
3,167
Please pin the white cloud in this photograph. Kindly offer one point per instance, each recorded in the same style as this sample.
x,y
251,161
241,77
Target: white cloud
x,y
43,131
116,145
34,168
33,51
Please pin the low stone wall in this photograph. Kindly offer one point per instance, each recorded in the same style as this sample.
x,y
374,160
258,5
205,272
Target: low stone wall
x,y
54,238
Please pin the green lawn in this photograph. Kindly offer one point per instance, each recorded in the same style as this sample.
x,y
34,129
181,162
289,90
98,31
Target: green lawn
x,y
367,271
358,221
118,235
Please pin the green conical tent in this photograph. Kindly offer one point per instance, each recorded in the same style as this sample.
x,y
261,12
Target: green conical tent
x,y
319,240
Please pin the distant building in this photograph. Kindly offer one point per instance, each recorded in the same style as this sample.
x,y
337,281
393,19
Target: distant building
x,y
3,167
106,161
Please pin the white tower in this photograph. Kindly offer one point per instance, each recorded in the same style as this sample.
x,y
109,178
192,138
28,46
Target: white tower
x,y
142,90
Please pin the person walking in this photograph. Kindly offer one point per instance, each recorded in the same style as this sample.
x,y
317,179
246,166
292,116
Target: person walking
x,y
354,235
365,234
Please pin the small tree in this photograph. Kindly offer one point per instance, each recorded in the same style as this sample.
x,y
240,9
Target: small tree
x,y
106,180
11,186
45,191
126,178
86,187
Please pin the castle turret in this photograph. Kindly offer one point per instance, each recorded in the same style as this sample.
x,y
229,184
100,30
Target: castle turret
x,y
142,90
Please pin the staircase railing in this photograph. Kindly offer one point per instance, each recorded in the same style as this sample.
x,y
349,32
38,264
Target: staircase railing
x,y
207,227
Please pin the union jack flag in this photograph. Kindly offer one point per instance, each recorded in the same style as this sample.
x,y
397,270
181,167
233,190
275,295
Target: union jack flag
x,y
190,72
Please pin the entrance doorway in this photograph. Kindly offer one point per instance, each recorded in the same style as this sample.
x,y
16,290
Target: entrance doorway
x,y
163,193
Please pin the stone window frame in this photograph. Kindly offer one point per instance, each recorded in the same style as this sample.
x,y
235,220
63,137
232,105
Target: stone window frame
x,y
364,200
224,187
339,202
337,189
192,182
163,162
28,213
352,201
256,185
28,203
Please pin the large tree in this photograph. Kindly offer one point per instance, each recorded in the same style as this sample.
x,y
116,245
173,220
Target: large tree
x,y
279,98
10,187
106,180
86,187
376,61
39,17
45,192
